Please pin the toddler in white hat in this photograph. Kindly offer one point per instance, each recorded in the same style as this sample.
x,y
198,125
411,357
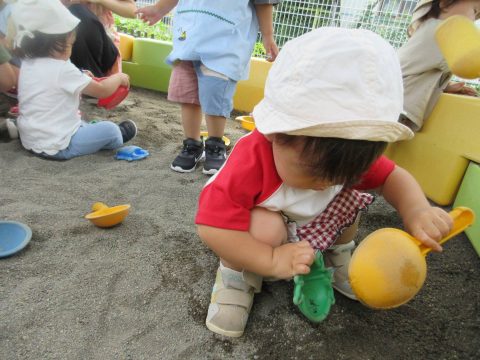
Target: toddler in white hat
x,y
50,86
425,72
293,186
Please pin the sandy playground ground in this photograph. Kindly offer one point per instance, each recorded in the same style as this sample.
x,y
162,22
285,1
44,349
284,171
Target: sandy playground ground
x,y
141,290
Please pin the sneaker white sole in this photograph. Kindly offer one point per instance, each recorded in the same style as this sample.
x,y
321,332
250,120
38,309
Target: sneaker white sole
x,y
219,331
182,170
210,172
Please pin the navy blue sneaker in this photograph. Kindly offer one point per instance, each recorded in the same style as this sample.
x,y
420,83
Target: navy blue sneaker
x,y
190,155
215,155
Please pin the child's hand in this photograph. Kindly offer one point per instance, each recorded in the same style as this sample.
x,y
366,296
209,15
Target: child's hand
x,y
271,48
460,88
292,259
124,79
149,14
429,225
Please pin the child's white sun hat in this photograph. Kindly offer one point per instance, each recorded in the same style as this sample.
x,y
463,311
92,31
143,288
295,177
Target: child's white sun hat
x,y
333,82
45,16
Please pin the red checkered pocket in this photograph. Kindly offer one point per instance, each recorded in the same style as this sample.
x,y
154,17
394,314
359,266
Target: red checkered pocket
x,y
323,231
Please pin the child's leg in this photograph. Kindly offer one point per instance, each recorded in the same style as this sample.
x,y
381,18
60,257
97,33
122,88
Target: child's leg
x,y
215,92
192,150
191,120
232,294
183,89
215,125
338,256
91,138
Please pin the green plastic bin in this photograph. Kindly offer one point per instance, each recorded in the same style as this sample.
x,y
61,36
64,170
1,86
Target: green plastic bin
x,y
469,196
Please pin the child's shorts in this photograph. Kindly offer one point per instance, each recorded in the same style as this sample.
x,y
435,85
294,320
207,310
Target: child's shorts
x,y
193,83
341,213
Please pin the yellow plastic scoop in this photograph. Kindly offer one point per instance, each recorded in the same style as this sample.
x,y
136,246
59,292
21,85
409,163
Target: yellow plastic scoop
x,y
459,41
388,268
105,217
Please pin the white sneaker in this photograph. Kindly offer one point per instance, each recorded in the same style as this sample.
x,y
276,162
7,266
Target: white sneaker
x,y
12,128
338,257
231,301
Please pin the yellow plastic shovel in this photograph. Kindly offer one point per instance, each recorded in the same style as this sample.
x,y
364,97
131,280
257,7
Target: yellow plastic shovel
x,y
388,268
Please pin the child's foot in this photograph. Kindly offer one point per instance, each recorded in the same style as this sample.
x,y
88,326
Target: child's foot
x,y
12,128
231,301
338,257
128,129
191,154
215,155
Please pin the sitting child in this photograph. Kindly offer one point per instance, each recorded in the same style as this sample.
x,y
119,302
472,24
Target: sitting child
x,y
425,72
50,86
6,33
292,186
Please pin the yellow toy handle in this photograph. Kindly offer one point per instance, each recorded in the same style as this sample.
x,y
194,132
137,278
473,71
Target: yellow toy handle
x,y
462,218
99,206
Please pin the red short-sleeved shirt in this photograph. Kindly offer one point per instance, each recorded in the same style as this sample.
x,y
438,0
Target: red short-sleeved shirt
x,y
249,179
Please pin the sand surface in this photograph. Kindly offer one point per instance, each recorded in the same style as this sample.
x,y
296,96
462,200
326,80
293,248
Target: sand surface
x,y
141,290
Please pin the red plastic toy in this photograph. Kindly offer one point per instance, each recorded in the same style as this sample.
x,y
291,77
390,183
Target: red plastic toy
x,y
113,100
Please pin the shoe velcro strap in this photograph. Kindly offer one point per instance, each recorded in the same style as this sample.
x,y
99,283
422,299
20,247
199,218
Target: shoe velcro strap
x,y
253,280
234,297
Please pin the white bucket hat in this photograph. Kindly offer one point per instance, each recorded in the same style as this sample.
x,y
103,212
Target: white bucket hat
x,y
45,16
334,82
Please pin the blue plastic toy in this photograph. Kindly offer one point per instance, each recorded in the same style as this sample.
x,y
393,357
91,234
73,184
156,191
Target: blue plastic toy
x,y
14,236
131,153
313,293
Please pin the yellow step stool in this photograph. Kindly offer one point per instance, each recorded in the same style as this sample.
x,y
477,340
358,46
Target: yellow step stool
x,y
439,154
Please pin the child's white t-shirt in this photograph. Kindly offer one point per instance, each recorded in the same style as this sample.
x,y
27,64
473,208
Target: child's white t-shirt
x,y
49,97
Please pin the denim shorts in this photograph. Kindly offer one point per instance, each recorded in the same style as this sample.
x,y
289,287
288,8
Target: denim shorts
x,y
193,83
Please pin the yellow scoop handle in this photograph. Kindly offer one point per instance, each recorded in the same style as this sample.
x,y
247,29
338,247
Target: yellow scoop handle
x,y
99,206
462,218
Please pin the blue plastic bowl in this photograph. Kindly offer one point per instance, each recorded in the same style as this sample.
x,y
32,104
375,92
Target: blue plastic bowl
x,y
14,236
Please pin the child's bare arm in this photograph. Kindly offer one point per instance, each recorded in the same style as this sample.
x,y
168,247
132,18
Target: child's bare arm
x,y
241,250
425,222
7,77
265,21
152,14
125,8
105,88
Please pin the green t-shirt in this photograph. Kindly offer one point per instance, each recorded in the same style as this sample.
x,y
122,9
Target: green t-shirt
x,y
4,55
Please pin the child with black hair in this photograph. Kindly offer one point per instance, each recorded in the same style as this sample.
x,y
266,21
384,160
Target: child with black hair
x,y
293,186
50,86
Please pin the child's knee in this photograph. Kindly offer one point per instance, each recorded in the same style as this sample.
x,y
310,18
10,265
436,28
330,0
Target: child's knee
x,y
268,226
